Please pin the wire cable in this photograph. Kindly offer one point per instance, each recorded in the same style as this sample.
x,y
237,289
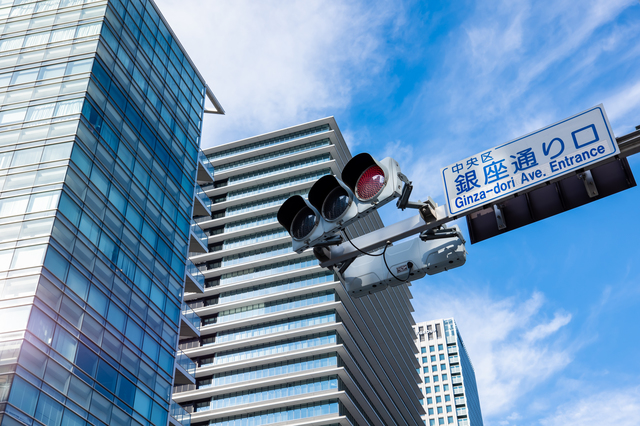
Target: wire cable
x,y
376,255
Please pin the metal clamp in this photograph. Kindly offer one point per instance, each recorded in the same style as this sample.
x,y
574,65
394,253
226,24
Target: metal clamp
x,y
589,184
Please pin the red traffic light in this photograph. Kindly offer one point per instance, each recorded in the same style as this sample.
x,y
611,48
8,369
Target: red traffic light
x,y
370,183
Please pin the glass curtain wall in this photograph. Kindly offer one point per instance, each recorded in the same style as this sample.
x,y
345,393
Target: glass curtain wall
x,y
100,121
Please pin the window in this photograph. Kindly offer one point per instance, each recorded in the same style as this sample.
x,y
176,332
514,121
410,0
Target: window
x,y
447,397
449,420
432,348
427,379
432,422
436,379
438,399
441,421
434,368
440,411
423,350
425,359
430,411
444,377
429,401
449,409
441,357
445,388
436,388
440,347
425,369
427,389
433,358
443,367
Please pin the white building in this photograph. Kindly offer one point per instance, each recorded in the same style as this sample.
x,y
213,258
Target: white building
x,y
281,342
450,394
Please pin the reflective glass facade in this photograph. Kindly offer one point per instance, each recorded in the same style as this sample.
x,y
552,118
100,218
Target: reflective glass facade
x,y
281,340
450,393
100,122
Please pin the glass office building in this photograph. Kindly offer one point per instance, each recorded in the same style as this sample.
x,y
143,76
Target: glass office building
x,y
450,393
100,122
280,340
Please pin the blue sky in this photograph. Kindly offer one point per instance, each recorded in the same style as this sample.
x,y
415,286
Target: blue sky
x,y
549,312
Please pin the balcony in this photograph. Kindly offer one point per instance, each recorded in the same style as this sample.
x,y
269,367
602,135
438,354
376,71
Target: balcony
x,y
179,416
456,369
452,350
189,323
463,422
454,359
461,400
198,240
185,370
456,380
461,412
451,339
194,281
205,169
458,390
202,203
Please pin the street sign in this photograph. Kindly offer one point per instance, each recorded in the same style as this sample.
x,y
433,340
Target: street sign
x,y
540,156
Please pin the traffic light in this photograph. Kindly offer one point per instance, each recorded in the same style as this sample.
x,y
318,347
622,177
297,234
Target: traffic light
x,y
303,222
333,204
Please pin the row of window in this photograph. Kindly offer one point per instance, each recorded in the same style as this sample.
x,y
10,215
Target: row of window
x,y
27,8
48,20
287,414
281,168
273,327
432,348
45,72
447,398
269,370
272,307
255,255
268,142
272,349
268,393
436,378
267,270
276,287
272,186
436,388
41,112
47,37
272,155
250,223
253,238
262,203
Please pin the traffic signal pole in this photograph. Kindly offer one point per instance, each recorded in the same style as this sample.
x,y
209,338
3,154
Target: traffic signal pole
x,y
432,216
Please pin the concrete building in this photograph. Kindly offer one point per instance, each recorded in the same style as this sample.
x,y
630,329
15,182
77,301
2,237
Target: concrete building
x,y
449,391
100,120
280,340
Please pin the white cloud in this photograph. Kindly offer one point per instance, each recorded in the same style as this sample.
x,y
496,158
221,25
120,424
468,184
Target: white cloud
x,y
513,346
619,407
274,64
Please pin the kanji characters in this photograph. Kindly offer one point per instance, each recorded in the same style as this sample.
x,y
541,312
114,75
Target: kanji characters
x,y
525,160
466,182
495,171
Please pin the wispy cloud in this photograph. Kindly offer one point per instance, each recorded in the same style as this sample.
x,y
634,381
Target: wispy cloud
x,y
513,345
274,64
619,407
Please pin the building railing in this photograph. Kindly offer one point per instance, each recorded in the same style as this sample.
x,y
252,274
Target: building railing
x,y
190,315
452,349
461,411
451,339
456,379
454,359
461,400
456,369
195,273
186,363
457,390
199,233
203,197
180,414
463,422
205,162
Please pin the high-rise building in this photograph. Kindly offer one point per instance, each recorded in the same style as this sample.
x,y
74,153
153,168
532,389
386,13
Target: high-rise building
x,y
100,123
281,341
449,391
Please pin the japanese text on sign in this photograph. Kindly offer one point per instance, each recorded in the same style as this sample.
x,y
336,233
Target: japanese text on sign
x,y
558,149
